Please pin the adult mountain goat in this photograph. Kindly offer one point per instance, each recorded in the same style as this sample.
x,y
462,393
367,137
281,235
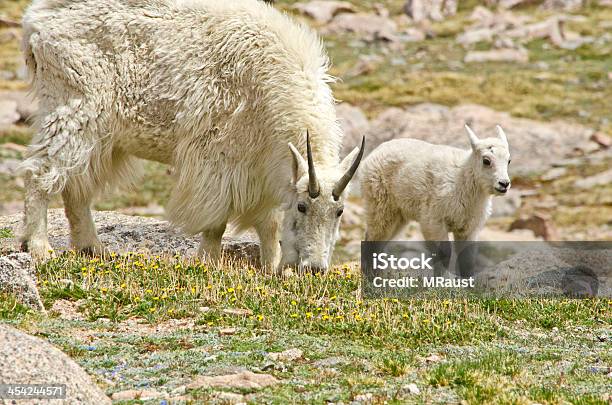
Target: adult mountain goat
x,y
224,91
444,189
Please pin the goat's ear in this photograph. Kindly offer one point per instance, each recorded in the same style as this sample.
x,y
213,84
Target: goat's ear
x,y
472,136
502,134
299,166
348,160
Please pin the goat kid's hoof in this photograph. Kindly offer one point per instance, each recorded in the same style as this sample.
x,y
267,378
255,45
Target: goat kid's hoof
x,y
41,251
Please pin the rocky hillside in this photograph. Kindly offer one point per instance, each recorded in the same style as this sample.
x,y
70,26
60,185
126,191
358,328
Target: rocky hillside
x,y
421,69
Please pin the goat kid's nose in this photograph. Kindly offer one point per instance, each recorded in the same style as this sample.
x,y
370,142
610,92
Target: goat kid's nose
x,y
504,183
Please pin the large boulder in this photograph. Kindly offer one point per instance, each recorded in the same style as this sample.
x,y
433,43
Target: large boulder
x,y
124,233
25,359
577,270
354,125
534,145
17,277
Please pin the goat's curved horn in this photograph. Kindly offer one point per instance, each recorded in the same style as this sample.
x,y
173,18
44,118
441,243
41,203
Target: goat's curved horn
x,y
346,178
313,183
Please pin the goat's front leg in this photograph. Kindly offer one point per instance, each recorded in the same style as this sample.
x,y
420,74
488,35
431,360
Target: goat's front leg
x,y
83,235
268,230
210,246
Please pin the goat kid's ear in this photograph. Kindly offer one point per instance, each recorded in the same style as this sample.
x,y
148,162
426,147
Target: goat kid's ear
x,y
501,134
473,138
299,166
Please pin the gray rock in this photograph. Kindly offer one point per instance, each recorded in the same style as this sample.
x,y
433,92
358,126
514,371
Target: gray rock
x,y
443,125
412,35
599,179
436,10
498,55
476,35
26,359
571,271
554,173
7,75
17,277
372,26
324,11
26,106
354,125
564,5
507,205
8,113
123,233
8,166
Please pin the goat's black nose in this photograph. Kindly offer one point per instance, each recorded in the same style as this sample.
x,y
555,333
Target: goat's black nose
x,y
504,183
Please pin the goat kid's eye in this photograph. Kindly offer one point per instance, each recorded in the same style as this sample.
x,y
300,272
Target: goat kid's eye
x,y
486,161
509,160
302,208
339,212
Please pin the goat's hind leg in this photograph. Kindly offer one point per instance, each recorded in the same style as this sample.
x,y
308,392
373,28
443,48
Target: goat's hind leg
x,y
58,149
34,237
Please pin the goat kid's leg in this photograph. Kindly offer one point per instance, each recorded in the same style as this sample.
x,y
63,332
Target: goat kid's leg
x,y
34,237
268,230
466,252
210,246
437,240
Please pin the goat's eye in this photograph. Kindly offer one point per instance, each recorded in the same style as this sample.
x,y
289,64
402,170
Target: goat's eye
x,y
339,212
509,160
302,207
486,161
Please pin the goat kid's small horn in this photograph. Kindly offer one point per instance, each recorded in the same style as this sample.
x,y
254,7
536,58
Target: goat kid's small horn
x,y
472,135
502,134
313,183
346,178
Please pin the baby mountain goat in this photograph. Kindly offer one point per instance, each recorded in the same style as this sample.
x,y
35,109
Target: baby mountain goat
x,y
224,91
444,189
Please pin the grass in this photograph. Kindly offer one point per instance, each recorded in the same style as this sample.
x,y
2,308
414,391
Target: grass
x,y
6,233
132,309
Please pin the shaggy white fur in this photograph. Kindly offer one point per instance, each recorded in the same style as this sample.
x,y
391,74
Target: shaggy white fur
x,y
444,189
215,88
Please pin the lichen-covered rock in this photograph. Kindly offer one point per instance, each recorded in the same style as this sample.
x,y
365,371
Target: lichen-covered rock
x,y
17,278
570,270
123,233
26,359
